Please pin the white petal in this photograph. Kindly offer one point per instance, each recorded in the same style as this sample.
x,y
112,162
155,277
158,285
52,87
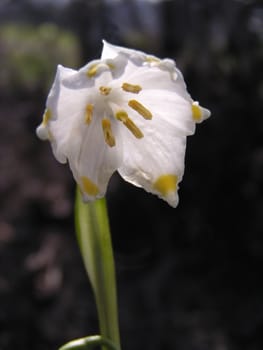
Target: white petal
x,y
52,100
111,51
61,74
171,108
158,155
84,77
92,161
164,97
88,75
69,109
157,77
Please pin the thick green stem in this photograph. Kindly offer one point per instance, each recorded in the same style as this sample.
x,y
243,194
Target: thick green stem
x,y
94,240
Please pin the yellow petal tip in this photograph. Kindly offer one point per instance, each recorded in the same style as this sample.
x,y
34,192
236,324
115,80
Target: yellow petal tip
x,y
89,187
165,184
197,112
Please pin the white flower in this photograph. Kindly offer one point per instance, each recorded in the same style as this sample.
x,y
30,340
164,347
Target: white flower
x,y
129,112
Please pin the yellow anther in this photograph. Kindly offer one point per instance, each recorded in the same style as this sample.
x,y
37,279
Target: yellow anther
x,y
92,70
88,113
197,112
165,184
123,117
139,108
131,88
133,128
46,117
104,90
89,187
107,131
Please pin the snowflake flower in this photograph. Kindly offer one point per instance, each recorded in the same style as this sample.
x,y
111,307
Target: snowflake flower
x,y
127,111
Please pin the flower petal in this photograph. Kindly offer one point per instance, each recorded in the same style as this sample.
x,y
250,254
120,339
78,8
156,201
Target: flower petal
x,y
92,161
51,111
69,110
87,76
162,75
172,109
111,51
199,113
156,161
78,137
165,97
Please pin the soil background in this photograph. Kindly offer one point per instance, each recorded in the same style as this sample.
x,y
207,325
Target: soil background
x,y
189,278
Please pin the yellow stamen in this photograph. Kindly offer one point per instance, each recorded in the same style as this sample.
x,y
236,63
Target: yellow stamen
x,y
107,131
89,187
92,70
131,88
165,184
139,108
89,113
46,117
104,90
197,112
123,117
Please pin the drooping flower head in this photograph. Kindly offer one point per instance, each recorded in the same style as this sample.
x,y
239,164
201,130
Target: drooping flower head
x,y
127,111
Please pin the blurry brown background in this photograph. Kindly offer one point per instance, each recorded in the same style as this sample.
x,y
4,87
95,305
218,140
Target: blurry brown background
x,y
188,278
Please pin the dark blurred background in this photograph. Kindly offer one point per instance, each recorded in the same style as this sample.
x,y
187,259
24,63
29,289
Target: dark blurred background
x,y
189,278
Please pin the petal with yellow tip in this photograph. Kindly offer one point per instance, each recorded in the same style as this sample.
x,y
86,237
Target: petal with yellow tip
x,y
165,184
199,113
89,187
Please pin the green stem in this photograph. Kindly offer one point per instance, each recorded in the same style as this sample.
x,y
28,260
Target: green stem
x,y
94,240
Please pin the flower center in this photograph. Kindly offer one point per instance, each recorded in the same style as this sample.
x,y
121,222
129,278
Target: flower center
x,y
121,115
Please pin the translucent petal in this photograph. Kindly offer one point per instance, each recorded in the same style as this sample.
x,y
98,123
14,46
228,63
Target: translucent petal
x,y
61,74
52,101
171,108
68,106
162,76
85,76
95,70
69,109
92,161
159,154
111,51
